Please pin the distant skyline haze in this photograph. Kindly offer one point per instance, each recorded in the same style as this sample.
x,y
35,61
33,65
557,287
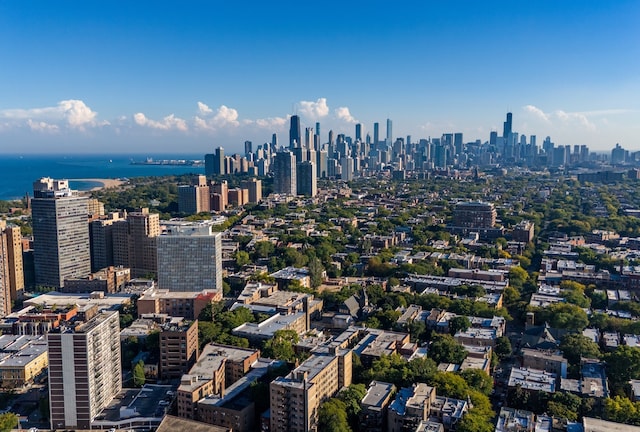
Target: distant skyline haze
x,y
135,77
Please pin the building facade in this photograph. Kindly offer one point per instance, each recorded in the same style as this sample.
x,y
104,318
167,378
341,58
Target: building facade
x,y
190,257
60,232
84,371
178,347
284,174
134,242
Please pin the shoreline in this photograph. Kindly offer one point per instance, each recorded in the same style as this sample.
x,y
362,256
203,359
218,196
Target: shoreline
x,y
105,183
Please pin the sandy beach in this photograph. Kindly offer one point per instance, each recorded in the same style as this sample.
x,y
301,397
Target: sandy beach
x,y
106,183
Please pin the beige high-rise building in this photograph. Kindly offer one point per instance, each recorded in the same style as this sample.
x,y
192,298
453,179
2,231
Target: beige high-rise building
x,y
219,195
296,398
101,235
11,267
84,371
134,242
194,198
255,189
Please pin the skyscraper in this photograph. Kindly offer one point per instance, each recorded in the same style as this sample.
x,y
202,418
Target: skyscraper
x,y
218,162
248,148
190,257
194,198
346,164
84,370
284,173
209,165
376,134
254,186
11,266
507,129
358,132
295,137
134,242
389,133
307,179
60,233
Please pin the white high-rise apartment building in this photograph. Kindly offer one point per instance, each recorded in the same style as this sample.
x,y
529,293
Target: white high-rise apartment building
x,y
190,257
85,373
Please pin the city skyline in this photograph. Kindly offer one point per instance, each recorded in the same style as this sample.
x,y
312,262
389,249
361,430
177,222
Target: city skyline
x,y
156,77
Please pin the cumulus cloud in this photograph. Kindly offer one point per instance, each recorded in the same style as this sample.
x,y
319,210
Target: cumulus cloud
x,y
563,118
313,110
72,113
167,123
272,122
204,109
226,116
343,114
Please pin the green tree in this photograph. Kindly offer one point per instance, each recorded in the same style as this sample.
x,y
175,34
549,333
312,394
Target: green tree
x,y
503,347
8,421
332,416
281,345
242,258
623,364
565,316
575,346
316,271
444,348
479,380
351,396
264,249
474,422
620,409
138,374
459,323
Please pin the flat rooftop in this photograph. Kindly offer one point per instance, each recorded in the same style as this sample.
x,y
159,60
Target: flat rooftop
x,y
108,301
377,393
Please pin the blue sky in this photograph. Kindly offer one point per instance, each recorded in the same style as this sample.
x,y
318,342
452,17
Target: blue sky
x,y
137,76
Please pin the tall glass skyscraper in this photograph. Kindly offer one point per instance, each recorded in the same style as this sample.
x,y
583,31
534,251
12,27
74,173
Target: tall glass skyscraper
x,y
295,136
284,173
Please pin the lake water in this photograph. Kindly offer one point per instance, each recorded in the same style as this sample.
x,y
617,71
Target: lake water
x,y
17,173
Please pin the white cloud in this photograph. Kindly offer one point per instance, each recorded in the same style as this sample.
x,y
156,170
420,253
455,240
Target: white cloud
x,y
72,113
537,112
226,116
204,109
343,114
313,110
168,123
573,117
41,126
272,122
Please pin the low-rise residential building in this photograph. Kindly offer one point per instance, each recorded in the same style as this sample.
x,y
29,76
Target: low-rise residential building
x,y
533,380
549,361
258,332
22,359
411,406
374,405
176,303
376,343
477,336
515,420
